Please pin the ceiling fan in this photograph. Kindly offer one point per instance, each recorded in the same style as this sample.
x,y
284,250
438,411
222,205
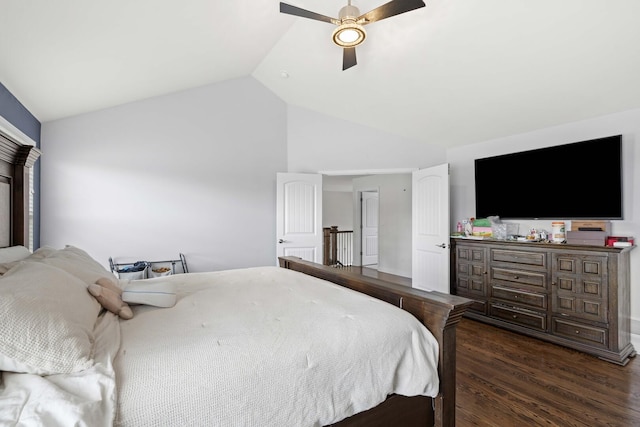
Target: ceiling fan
x,y
350,32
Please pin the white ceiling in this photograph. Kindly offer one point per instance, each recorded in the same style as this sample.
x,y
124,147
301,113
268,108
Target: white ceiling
x,y
451,73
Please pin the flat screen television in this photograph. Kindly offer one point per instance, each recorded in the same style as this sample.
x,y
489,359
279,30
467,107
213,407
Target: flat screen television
x,y
581,180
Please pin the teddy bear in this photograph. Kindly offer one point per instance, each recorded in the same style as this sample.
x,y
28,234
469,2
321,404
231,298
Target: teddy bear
x,y
109,295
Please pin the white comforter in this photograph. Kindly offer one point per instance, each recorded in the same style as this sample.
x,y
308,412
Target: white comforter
x,y
83,399
251,347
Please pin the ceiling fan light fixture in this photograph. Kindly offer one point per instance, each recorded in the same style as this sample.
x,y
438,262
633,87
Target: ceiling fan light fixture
x,y
349,31
349,34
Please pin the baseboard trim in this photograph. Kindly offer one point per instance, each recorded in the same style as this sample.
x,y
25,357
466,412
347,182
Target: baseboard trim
x,y
635,333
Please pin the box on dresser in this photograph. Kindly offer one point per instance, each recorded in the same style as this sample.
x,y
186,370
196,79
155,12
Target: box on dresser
x,y
579,225
593,238
620,241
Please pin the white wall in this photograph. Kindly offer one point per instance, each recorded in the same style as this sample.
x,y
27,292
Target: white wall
x,y
317,142
625,123
190,172
337,209
394,220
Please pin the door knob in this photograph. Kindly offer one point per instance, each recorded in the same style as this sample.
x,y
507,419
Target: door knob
x,y
442,245
281,241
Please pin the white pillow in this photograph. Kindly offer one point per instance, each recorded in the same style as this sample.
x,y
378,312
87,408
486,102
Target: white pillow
x,y
13,253
150,292
46,321
76,261
38,255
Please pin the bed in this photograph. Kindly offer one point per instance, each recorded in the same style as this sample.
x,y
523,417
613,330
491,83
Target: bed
x,y
297,344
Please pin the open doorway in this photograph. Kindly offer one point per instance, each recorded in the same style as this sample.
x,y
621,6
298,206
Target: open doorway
x,y
398,213
342,207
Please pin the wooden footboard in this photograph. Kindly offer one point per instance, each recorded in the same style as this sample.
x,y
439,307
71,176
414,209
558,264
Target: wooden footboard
x,y
439,312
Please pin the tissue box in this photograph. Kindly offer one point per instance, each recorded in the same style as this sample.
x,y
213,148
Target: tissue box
x,y
502,231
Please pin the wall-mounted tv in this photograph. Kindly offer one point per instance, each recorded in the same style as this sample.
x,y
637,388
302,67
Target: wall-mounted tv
x,y
581,180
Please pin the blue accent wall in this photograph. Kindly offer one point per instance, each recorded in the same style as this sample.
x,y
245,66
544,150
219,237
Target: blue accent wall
x,y
15,113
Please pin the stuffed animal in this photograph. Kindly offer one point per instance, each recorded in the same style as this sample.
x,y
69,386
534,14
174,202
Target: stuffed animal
x,y
109,295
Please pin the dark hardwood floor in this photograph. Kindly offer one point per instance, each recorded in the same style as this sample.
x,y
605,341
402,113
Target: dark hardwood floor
x,y
506,379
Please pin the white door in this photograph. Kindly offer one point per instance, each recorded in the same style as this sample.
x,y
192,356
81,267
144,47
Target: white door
x,y
369,202
299,216
430,229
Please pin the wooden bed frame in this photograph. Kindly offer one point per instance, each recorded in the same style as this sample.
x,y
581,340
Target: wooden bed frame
x,y
15,161
439,312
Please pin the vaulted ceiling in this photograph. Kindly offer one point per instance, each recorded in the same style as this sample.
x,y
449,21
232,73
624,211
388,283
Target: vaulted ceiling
x,y
454,72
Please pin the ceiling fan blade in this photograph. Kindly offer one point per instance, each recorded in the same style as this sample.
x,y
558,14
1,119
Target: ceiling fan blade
x,y
394,7
348,58
293,10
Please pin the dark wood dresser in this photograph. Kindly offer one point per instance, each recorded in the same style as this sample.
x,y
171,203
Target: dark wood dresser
x,y
573,295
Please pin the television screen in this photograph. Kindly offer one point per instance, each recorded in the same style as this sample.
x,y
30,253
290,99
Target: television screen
x,y
582,180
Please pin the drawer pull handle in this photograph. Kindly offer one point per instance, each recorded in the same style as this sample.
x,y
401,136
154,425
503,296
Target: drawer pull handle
x,y
515,316
515,296
516,277
577,332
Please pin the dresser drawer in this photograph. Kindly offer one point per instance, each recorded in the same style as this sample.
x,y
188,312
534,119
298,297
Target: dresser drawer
x,y
592,335
530,258
521,317
530,278
519,296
